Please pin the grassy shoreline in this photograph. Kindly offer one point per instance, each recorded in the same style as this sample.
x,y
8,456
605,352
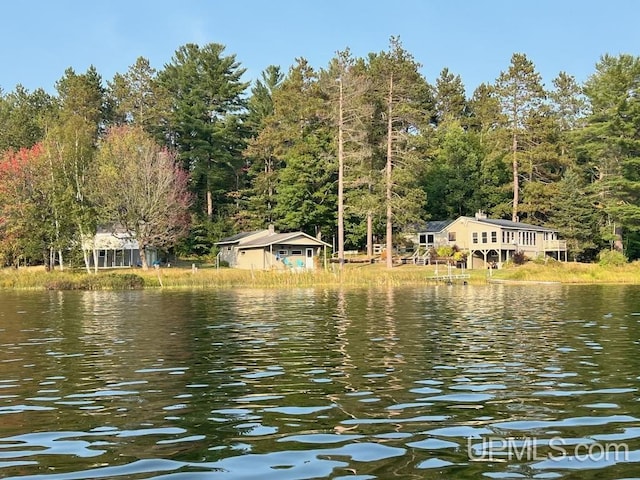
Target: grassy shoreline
x,y
352,276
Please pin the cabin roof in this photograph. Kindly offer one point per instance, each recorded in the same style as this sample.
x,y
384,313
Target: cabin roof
x,y
239,236
280,238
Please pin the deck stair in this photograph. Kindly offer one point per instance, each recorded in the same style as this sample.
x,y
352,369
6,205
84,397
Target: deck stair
x,y
417,258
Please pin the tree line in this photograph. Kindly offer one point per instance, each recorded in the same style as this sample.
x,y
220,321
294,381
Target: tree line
x,y
358,151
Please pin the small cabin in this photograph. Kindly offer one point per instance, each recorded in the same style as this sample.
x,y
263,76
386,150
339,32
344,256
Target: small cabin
x,y
268,250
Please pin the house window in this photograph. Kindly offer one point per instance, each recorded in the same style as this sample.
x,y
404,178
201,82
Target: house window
x,y
474,237
283,253
494,237
228,249
422,238
430,238
452,236
296,252
484,237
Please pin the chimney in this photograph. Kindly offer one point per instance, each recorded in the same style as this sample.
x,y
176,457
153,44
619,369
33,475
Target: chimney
x,y
272,230
480,215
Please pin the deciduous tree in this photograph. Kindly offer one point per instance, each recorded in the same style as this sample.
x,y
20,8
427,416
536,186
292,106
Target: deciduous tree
x,y
139,186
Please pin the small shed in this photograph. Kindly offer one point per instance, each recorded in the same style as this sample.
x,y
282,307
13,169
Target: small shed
x,y
268,250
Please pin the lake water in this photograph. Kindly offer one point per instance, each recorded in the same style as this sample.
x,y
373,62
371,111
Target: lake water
x,y
451,382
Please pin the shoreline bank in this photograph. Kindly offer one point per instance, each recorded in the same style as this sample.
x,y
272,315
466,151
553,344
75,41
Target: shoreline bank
x,y
352,276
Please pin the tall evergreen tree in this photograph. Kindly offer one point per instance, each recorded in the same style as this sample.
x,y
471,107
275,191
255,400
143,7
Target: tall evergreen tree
x,y
610,140
346,86
205,125
137,98
574,215
263,163
485,112
521,94
450,98
406,105
23,117
569,107
452,181
305,196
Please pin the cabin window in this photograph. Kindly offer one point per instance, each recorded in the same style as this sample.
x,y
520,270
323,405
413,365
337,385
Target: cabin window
x,y
283,253
474,237
484,237
422,238
494,237
452,236
296,252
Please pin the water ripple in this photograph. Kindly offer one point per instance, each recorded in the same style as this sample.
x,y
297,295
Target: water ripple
x,y
311,383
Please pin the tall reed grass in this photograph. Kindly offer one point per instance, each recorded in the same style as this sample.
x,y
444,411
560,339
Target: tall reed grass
x,y
362,275
572,273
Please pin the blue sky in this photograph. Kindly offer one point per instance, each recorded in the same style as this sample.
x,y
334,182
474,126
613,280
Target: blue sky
x,y
39,39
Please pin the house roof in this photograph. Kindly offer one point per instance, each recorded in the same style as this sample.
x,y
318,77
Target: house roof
x,y
436,226
280,238
239,236
516,225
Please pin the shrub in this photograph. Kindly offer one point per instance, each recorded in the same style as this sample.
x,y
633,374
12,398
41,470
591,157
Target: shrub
x,y
519,258
445,251
611,258
459,256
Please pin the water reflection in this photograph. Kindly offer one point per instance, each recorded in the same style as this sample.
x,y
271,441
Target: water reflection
x,y
406,382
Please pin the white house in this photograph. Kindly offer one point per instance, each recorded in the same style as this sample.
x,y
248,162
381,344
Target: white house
x,y
113,247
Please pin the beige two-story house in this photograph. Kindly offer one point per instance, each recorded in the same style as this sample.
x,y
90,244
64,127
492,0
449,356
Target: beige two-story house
x,y
491,242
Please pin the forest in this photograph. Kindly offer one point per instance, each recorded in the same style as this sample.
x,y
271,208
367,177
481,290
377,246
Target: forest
x,y
355,152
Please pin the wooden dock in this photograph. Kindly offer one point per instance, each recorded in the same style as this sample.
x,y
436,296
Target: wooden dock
x,y
450,278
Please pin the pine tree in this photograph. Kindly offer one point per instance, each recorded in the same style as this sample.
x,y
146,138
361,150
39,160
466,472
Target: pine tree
x,y
405,108
610,141
260,155
521,93
346,86
574,215
205,125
